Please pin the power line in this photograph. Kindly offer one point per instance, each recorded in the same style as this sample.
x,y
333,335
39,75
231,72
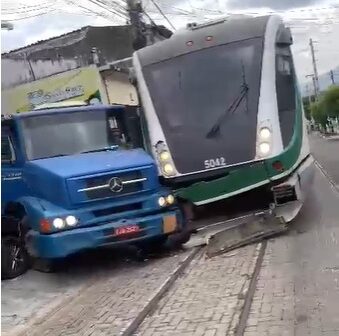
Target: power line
x,y
27,11
33,16
99,4
90,11
163,14
25,7
121,10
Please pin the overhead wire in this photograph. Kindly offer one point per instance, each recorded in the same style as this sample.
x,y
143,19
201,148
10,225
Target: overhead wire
x,y
99,4
33,16
163,14
25,11
121,10
13,5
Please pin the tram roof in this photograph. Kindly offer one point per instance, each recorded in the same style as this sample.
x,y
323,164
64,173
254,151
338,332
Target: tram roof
x,y
195,38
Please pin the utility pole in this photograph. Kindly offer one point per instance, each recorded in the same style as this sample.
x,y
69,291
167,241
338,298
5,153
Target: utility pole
x,y
315,71
144,34
314,86
332,77
134,8
308,95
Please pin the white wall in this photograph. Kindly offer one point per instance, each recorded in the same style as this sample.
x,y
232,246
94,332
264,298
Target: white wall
x,y
15,72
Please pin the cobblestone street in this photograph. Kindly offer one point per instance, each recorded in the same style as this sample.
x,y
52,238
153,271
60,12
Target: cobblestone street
x,y
107,303
207,299
297,292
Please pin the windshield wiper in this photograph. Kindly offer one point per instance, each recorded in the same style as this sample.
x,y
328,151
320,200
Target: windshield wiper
x,y
51,156
104,149
244,88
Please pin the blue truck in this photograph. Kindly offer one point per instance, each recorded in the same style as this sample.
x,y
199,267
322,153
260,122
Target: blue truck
x,y
77,178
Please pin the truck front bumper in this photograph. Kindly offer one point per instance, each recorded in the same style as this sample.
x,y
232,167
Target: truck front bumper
x,y
68,242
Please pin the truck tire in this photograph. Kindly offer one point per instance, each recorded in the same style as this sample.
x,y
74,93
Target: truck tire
x,y
14,257
180,238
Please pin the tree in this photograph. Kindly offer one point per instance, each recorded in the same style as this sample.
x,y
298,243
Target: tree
x,y
330,102
318,113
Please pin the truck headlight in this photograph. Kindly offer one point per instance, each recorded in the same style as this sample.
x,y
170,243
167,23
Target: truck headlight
x,y
170,199
71,220
264,148
162,201
58,223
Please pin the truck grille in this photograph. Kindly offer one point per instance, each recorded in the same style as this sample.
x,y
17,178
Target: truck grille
x,y
113,185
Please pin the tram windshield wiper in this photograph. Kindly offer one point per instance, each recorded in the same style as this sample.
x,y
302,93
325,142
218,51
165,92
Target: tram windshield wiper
x,y
244,88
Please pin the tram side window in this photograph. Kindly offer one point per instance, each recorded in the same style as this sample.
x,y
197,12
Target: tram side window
x,y
286,93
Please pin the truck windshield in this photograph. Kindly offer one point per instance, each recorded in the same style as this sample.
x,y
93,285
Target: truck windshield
x,y
205,84
68,133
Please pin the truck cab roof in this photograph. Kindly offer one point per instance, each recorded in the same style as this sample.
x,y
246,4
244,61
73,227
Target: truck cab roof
x,y
50,111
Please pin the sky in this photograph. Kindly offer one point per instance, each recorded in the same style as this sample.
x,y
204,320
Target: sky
x,y
316,19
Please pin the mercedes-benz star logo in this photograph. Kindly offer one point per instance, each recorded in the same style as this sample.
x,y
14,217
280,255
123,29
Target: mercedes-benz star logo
x,y
115,184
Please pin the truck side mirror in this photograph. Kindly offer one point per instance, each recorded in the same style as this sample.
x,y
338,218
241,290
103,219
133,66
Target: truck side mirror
x,y
134,126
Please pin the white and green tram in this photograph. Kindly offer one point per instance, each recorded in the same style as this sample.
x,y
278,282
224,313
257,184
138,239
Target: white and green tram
x,y
223,115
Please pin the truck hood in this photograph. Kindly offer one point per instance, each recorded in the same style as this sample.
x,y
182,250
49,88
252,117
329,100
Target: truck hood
x,y
93,163
58,179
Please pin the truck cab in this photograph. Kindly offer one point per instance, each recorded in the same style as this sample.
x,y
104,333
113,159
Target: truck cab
x,y
76,178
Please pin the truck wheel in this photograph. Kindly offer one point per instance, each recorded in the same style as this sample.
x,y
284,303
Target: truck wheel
x,y
14,257
180,238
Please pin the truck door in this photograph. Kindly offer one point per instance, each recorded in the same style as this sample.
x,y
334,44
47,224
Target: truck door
x,y
12,183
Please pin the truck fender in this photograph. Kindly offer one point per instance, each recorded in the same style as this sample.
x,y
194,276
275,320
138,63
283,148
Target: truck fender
x,y
33,211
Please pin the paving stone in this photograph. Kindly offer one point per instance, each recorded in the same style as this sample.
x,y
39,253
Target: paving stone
x,y
296,293
209,297
112,302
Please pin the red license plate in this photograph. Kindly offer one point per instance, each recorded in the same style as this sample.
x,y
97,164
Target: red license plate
x,y
124,230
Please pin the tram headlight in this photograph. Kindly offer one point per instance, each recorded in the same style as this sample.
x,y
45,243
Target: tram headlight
x,y
164,156
165,160
264,148
265,133
168,169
